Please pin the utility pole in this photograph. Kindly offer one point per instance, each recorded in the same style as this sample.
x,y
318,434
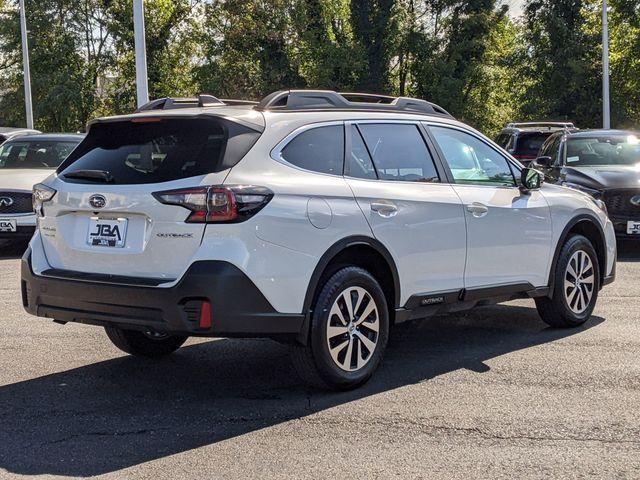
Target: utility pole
x,y
606,109
25,66
142,86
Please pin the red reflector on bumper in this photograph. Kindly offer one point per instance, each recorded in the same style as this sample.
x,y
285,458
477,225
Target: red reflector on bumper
x,y
205,315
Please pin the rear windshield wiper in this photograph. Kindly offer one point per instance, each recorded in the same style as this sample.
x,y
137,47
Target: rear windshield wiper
x,y
92,175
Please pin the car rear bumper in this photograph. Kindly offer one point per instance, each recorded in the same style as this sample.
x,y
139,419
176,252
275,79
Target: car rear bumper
x,y
238,308
22,233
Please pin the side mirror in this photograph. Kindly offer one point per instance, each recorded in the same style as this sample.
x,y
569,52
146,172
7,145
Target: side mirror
x,y
531,179
543,161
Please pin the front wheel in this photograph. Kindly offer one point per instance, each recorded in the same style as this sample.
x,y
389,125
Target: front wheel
x,y
576,285
349,331
145,344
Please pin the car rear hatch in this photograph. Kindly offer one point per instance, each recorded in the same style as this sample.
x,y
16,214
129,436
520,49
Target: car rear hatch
x,y
104,218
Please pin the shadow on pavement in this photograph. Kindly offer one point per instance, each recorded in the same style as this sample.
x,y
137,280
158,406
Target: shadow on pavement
x,y
119,413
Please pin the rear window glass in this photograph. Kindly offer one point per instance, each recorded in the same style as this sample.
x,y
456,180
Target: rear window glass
x,y
530,143
503,140
159,151
34,154
320,149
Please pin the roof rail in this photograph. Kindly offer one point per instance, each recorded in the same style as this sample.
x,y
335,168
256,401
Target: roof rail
x,y
201,101
541,124
173,103
297,100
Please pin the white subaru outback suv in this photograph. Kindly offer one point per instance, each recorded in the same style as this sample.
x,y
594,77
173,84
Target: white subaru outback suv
x,y
316,218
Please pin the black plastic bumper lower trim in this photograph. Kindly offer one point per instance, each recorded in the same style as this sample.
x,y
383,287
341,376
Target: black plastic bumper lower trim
x,y
239,308
21,233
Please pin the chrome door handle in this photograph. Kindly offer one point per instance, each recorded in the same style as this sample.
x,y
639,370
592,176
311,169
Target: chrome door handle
x,y
477,209
384,209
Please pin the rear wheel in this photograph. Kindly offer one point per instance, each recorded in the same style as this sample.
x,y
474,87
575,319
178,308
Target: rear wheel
x,y
349,331
576,285
146,343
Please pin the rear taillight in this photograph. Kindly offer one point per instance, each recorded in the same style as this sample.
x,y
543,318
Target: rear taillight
x,y
41,194
218,204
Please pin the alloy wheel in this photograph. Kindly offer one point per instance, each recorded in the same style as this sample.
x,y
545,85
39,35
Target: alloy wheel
x,y
352,330
579,282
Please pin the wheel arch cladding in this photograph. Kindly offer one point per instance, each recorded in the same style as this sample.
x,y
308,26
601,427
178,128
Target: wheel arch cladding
x,y
589,227
360,251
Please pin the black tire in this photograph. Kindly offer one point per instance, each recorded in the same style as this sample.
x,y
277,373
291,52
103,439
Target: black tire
x,y
556,311
314,362
141,344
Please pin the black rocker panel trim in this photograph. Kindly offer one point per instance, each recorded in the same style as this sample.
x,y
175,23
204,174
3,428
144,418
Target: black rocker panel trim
x,y
428,304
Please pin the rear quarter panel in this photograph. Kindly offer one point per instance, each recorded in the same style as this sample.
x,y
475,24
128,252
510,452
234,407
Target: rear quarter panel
x,y
307,215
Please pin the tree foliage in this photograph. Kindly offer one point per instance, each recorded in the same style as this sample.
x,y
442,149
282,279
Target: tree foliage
x,y
469,56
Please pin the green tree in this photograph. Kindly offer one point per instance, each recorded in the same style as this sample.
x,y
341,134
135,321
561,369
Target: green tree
x,y
247,49
172,30
562,66
326,53
458,53
625,63
66,53
375,30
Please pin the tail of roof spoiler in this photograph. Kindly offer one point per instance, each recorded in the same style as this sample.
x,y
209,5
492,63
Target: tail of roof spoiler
x,y
244,116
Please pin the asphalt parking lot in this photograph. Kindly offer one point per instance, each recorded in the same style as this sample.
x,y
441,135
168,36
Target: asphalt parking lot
x,y
487,394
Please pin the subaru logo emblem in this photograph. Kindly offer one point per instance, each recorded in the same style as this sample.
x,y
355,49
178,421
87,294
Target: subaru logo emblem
x,y
6,201
97,201
635,200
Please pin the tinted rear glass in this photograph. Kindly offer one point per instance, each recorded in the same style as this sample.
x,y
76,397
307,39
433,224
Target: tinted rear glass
x,y
34,154
160,151
320,149
530,143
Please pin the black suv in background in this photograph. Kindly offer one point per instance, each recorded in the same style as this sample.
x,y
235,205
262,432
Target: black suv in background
x,y
523,140
602,163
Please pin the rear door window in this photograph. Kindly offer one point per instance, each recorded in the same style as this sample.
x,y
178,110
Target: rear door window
x,y
319,149
399,152
160,150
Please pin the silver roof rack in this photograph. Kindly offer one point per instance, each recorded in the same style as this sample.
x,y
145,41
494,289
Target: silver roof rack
x,y
301,100
549,125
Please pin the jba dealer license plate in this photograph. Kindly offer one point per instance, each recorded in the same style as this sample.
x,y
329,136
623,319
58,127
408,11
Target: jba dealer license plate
x,y
633,228
8,225
107,232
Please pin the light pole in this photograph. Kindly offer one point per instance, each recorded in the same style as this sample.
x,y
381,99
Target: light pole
x,y
142,86
25,67
606,109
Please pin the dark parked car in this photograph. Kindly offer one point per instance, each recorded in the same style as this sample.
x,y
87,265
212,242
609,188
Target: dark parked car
x,y
9,132
603,163
523,140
